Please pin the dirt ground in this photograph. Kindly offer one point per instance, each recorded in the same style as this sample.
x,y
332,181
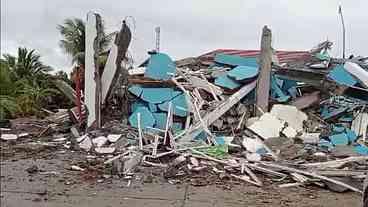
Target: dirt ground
x,y
53,184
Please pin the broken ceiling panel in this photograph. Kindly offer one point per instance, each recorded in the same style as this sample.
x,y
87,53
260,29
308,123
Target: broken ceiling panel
x,y
180,107
235,60
240,73
147,119
154,95
161,119
341,76
160,67
226,82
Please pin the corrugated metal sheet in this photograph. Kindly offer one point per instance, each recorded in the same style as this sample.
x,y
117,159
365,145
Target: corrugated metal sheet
x,y
283,56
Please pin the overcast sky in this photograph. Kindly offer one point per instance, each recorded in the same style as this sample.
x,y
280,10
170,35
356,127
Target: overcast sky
x,y
190,27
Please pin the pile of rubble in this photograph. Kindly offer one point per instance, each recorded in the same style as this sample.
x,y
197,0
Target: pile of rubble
x,y
205,116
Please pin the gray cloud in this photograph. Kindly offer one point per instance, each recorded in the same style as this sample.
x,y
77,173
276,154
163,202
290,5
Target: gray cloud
x,y
189,27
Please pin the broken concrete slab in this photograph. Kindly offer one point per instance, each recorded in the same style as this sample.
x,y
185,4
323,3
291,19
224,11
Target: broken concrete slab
x,y
113,137
294,117
160,67
86,144
105,150
99,141
89,71
109,71
273,129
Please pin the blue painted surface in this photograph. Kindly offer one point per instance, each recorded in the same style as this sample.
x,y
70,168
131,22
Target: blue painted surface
x,y
339,139
226,82
240,73
136,90
341,76
361,149
351,135
330,113
276,91
346,118
160,120
147,119
338,129
160,67
158,95
220,140
177,127
137,104
325,144
235,60
179,105
152,107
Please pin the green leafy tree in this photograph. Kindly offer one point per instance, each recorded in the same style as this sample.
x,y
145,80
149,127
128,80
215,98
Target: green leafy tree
x,y
73,42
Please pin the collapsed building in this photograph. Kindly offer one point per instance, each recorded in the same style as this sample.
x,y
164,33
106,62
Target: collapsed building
x,y
300,116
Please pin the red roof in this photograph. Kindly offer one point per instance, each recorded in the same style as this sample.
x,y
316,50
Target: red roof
x,y
283,56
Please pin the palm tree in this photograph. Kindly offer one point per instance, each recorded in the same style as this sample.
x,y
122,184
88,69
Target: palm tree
x,y
26,66
73,42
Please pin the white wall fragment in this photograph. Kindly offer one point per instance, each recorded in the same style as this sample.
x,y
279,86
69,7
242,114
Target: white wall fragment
x,y
89,71
291,115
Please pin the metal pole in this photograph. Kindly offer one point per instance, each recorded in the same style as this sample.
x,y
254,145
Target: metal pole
x,y
343,32
157,30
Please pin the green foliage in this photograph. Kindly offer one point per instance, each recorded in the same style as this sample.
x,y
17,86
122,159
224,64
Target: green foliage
x,y
25,84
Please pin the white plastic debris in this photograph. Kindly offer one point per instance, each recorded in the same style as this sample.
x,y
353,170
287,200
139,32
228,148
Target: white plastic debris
x,y
105,150
114,137
81,138
99,141
8,137
253,157
86,144
252,145
22,135
76,168
310,138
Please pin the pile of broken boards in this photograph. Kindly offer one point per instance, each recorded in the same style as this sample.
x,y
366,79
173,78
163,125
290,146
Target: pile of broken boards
x,y
193,117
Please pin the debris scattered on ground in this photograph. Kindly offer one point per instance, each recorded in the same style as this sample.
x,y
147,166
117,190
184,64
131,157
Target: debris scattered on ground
x,y
227,114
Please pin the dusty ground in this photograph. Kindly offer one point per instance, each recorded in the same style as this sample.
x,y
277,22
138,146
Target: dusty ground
x,y
64,187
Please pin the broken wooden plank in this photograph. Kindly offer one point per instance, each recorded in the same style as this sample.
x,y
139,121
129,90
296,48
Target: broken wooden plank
x,y
304,172
209,118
